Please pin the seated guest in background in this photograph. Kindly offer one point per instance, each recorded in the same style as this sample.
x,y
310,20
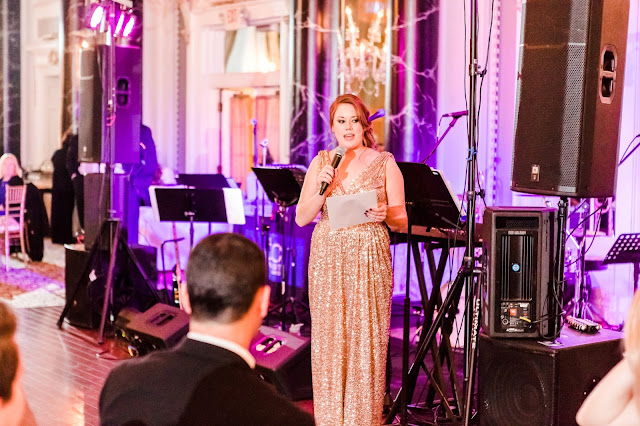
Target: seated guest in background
x,y
35,217
14,409
616,399
62,194
210,372
11,174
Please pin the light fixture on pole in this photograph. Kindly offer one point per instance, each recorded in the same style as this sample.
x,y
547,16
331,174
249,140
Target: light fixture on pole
x,y
363,62
124,19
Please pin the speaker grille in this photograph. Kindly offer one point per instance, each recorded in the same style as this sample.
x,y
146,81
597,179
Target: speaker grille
x,y
514,222
524,245
515,390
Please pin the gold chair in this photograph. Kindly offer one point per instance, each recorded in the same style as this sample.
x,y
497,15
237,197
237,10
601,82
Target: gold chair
x,y
12,223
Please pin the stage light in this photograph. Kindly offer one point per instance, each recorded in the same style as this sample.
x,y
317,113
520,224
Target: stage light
x,y
119,24
129,27
96,16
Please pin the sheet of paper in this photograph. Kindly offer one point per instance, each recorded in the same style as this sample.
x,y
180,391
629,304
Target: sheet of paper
x,y
348,210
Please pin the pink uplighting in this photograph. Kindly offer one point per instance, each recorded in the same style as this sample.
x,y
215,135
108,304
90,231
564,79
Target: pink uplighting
x,y
129,27
96,17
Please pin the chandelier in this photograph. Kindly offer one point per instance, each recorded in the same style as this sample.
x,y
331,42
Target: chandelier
x,y
363,63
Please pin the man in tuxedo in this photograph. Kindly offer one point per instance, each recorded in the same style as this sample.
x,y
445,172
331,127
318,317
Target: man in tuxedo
x,y
208,378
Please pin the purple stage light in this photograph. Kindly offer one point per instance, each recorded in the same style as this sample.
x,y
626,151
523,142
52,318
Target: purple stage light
x,y
129,27
96,17
119,24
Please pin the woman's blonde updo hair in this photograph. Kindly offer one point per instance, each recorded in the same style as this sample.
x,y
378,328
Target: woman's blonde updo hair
x,y
361,111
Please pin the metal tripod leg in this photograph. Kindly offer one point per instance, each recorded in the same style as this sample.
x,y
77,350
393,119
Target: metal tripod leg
x,y
449,306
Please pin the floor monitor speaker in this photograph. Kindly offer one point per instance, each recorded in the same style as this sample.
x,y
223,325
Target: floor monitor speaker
x,y
161,326
525,382
569,97
284,360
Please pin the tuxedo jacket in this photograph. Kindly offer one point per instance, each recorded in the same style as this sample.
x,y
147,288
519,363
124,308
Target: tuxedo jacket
x,y
193,383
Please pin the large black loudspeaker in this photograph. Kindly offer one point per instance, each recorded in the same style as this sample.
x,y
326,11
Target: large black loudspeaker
x,y
524,382
87,305
82,312
517,292
94,121
569,97
284,360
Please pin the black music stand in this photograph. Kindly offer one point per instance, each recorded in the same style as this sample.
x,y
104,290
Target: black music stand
x,y
431,204
204,181
283,188
188,204
626,249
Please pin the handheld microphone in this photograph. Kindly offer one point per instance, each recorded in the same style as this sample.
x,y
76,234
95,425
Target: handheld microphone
x,y
379,113
456,114
340,151
254,121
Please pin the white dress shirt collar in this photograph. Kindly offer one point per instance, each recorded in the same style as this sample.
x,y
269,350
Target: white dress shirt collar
x,y
225,344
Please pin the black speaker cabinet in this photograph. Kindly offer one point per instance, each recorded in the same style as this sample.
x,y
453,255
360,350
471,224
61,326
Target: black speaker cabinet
x,y
525,382
161,326
569,97
284,360
94,121
82,313
125,203
518,257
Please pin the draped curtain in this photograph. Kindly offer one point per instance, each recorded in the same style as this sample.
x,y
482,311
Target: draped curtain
x,y
268,118
241,113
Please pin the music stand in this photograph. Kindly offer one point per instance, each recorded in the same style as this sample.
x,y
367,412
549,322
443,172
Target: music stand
x,y
431,203
626,249
280,184
283,185
188,204
204,181
431,195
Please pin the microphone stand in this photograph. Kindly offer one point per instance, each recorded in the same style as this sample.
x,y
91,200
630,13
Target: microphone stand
x,y
451,124
257,222
472,310
264,227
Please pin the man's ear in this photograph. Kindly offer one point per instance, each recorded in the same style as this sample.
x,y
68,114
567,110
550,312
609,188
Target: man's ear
x,y
264,295
185,304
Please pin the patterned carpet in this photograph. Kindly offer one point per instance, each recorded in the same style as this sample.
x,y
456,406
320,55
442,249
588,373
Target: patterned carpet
x,y
35,284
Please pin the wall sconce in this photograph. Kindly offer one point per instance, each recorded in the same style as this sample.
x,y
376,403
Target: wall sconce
x,y
363,63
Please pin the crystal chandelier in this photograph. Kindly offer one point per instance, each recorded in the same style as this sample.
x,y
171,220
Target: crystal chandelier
x,y
363,63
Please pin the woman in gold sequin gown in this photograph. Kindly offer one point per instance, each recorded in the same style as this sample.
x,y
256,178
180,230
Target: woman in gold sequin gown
x,y
350,274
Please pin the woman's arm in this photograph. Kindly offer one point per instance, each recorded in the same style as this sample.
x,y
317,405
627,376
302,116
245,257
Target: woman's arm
x,y
311,201
397,211
611,400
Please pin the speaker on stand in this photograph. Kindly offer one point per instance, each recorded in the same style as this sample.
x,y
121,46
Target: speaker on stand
x,y
569,97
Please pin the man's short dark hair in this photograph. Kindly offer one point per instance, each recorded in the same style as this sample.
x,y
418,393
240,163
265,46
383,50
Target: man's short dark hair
x,y
8,351
224,273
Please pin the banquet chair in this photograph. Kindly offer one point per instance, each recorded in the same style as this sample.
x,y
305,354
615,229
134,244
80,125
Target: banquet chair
x,y
12,223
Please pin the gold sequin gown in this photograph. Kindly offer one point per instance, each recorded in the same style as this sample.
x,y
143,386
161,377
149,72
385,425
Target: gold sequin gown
x,y
350,287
